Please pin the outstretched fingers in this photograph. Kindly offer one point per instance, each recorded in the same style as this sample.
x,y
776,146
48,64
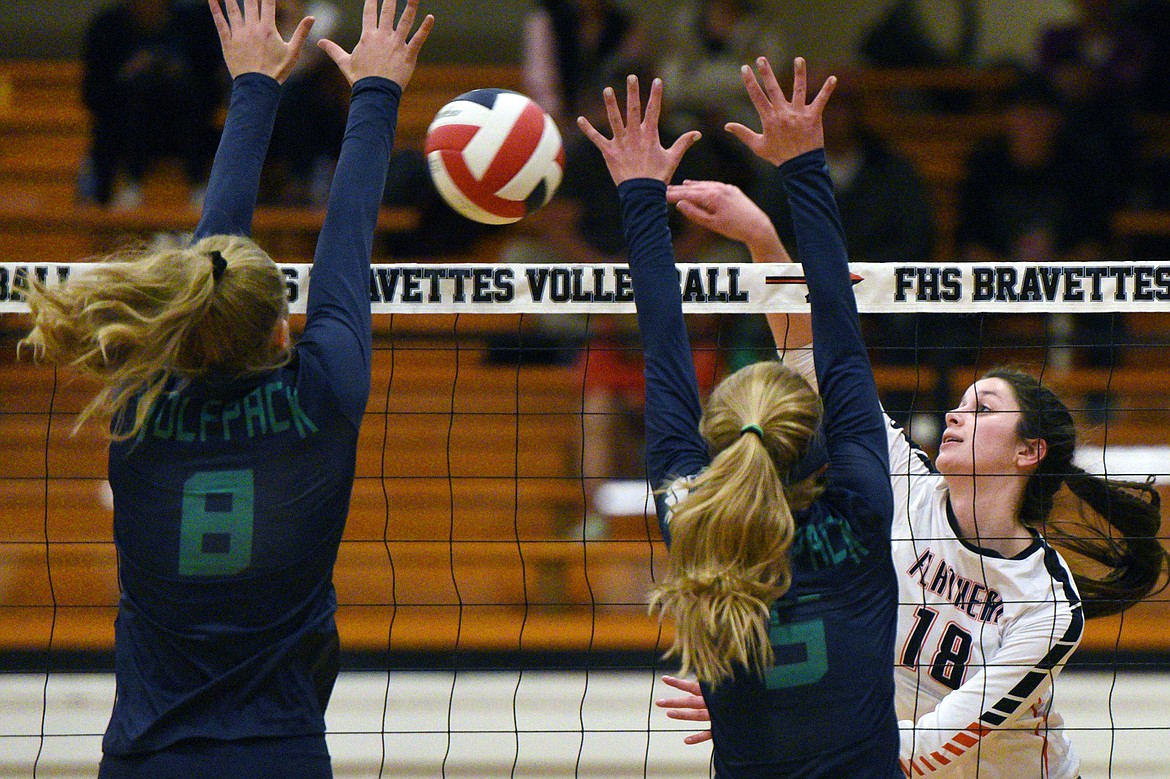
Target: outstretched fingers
x,y
386,17
296,43
591,132
420,35
333,51
221,24
799,82
746,135
369,15
633,101
654,104
771,86
822,98
612,112
681,146
755,92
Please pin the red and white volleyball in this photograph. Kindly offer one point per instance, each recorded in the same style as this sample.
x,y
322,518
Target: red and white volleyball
x,y
495,155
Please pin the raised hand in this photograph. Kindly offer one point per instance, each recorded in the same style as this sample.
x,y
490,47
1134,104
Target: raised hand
x,y
726,210
690,707
383,49
252,44
635,150
790,127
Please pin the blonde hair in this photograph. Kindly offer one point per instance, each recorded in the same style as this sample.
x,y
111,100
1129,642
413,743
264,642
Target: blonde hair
x,y
142,317
730,535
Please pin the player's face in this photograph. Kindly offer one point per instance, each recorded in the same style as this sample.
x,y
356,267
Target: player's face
x,y
981,436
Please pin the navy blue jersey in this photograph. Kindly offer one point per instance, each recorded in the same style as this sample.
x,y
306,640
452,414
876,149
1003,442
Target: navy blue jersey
x,y
826,708
229,505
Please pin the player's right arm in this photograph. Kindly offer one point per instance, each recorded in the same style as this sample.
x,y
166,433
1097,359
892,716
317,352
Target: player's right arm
x,y
338,328
793,139
1034,651
258,60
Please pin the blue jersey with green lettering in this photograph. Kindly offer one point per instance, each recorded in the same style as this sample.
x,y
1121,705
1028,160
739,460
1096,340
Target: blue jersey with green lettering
x,y
826,708
230,505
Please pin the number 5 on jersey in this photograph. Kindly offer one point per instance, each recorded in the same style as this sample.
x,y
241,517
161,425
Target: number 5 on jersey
x,y
802,656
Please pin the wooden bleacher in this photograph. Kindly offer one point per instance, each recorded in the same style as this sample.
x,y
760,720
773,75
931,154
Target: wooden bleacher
x,y
44,126
453,551
462,518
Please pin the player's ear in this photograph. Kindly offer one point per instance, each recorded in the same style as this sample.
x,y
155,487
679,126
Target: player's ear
x,y
1031,452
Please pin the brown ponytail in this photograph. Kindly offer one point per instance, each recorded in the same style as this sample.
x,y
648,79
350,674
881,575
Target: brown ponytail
x,y
1119,537
731,533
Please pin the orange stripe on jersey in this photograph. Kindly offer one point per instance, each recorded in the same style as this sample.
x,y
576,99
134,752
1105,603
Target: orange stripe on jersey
x,y
954,750
964,739
1043,723
940,758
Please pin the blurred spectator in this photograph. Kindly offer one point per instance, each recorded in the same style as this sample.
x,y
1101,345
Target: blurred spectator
x,y
699,57
901,39
1097,56
1034,194
572,45
310,122
1098,65
153,81
1153,18
701,52
1028,193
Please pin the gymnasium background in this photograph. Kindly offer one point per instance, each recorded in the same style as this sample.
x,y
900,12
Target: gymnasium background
x,y
559,680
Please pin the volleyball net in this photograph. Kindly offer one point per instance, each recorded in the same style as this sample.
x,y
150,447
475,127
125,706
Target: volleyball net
x,y
500,515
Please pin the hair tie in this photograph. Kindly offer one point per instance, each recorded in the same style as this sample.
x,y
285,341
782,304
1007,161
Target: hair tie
x,y
752,428
218,265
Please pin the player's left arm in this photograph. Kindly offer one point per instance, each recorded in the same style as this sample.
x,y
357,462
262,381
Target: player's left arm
x,y
640,166
258,60
1034,651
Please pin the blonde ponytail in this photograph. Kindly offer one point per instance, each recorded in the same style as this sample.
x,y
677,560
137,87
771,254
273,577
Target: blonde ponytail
x,y
141,317
730,536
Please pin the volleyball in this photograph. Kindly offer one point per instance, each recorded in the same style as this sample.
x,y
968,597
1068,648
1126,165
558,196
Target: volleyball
x,y
495,155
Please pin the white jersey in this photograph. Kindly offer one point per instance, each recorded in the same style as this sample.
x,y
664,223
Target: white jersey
x,y
980,640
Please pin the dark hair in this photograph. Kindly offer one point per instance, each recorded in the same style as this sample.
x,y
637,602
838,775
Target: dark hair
x,y
1122,538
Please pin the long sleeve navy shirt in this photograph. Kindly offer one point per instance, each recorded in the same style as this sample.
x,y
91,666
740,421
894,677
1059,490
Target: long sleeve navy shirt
x,y
826,709
229,506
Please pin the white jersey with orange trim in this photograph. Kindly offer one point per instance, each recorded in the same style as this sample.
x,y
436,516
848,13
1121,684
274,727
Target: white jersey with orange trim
x,y
980,640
